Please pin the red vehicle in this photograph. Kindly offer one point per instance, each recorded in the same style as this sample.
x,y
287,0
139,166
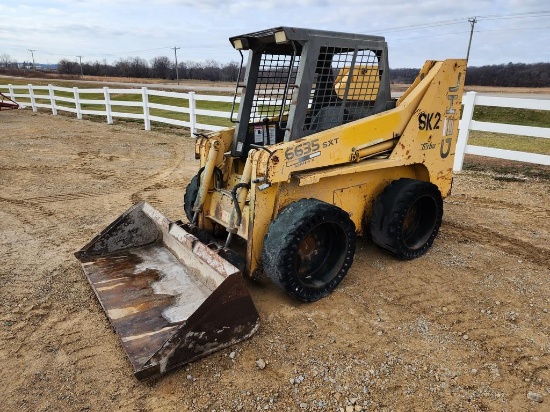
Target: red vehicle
x,y
7,103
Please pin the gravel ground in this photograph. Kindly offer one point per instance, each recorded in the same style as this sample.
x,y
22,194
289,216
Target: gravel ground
x,y
465,327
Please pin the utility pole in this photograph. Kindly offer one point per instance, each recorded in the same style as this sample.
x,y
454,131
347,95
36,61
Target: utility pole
x,y
176,58
32,54
472,22
80,59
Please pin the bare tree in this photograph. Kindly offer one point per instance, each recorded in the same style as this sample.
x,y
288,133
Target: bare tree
x,y
132,67
193,70
161,67
230,72
65,66
6,60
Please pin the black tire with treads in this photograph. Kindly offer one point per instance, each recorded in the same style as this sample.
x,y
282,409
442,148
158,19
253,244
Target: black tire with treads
x,y
189,197
309,248
406,217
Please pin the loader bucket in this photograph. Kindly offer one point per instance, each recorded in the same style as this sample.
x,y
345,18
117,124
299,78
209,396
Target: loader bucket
x,y
170,298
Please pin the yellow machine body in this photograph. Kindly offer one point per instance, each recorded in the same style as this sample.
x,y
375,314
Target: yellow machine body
x,y
347,166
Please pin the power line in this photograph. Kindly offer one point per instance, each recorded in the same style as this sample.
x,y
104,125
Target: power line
x,y
516,29
463,32
428,35
209,46
418,26
135,51
463,20
523,15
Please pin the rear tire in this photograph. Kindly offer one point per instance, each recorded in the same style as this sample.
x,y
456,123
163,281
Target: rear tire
x,y
309,248
406,217
190,196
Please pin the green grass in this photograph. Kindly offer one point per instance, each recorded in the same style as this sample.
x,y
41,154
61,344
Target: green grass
x,y
523,117
509,142
42,96
509,115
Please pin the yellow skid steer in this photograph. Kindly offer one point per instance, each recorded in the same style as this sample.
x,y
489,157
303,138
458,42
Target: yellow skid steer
x,y
319,154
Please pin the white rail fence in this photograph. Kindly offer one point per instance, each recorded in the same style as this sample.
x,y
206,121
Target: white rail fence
x,y
470,100
50,100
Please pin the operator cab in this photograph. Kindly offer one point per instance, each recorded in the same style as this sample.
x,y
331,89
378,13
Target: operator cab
x,y
300,81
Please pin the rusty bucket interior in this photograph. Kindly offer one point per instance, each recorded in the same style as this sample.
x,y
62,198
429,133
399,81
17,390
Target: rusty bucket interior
x,y
170,298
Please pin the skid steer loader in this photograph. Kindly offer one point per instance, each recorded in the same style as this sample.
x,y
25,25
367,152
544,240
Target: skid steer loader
x,y
319,154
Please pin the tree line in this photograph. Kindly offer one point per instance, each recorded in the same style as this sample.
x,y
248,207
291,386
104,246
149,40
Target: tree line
x,y
501,75
161,67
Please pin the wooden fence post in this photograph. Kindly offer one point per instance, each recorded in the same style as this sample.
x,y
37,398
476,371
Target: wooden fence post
x,y
108,105
33,100
52,99
145,99
468,101
77,103
192,113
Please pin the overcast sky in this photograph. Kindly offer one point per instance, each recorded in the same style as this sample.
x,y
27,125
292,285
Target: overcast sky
x,y
507,30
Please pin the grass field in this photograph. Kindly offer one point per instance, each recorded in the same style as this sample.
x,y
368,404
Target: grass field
x,y
522,117
42,96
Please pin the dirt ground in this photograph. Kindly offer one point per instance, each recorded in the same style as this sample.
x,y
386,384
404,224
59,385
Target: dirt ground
x,y
465,327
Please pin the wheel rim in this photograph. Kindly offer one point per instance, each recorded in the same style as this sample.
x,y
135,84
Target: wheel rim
x,y
419,222
321,254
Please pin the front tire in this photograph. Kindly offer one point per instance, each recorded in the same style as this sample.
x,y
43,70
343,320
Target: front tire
x,y
190,196
406,217
309,248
